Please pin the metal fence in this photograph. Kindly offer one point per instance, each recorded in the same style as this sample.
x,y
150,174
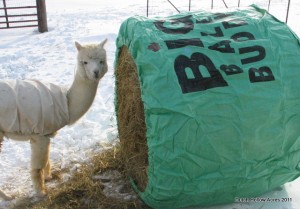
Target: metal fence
x,y
211,4
23,13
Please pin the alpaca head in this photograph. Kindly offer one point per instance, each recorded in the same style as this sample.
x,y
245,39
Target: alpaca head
x,y
92,64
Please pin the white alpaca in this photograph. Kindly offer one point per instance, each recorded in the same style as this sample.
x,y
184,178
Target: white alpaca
x,y
31,110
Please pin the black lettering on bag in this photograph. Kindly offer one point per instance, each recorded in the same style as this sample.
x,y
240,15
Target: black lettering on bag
x,y
223,46
218,33
231,69
260,56
174,44
243,36
262,74
184,25
198,82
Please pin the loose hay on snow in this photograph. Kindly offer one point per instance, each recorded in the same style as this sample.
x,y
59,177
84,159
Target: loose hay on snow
x,y
131,119
86,188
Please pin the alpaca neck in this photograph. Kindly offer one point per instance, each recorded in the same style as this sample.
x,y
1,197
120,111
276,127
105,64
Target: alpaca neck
x,y
80,97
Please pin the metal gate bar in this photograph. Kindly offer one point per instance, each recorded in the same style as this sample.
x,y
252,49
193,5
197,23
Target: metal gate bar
x,y
25,7
17,15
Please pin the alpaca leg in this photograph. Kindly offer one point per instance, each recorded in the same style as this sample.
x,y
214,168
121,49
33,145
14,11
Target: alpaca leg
x,y
47,171
2,194
40,148
1,139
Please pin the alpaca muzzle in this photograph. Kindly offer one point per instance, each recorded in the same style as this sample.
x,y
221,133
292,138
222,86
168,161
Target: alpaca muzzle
x,y
96,74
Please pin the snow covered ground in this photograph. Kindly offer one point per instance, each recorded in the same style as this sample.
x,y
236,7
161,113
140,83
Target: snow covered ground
x,y
25,53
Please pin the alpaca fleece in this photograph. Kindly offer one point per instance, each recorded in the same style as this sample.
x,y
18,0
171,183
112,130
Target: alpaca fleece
x,y
31,107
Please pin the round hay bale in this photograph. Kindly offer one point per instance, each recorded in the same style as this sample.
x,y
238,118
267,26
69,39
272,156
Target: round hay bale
x,y
208,106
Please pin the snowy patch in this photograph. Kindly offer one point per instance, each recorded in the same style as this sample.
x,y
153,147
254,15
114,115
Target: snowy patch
x,y
115,185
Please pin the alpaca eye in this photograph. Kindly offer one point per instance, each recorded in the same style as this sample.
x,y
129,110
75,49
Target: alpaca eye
x,y
101,62
85,62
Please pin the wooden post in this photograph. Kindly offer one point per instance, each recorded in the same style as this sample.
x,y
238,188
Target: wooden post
x,y
42,16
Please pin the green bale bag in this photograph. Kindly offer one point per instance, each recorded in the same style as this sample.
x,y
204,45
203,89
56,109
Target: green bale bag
x,y
221,100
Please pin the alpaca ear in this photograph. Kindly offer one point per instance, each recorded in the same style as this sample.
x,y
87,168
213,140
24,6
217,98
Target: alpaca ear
x,y
78,46
102,43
